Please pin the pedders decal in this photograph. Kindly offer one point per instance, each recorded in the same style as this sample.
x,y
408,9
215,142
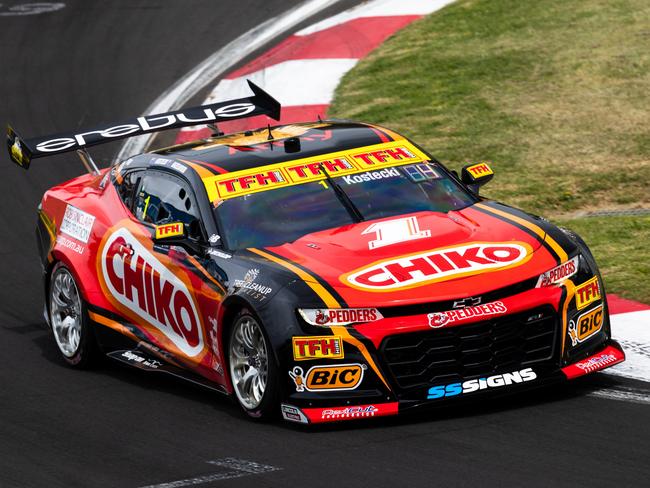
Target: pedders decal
x,y
438,265
144,289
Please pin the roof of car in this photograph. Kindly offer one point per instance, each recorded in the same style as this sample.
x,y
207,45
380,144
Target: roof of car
x,y
261,147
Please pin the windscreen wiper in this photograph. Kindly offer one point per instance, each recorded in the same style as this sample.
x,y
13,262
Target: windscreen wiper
x,y
342,196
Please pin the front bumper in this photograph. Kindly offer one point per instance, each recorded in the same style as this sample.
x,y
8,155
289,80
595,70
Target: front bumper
x,y
605,356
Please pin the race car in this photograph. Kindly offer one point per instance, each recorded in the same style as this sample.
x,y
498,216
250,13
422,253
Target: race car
x,y
324,271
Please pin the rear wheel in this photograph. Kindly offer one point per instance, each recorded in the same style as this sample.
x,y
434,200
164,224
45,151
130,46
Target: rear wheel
x,y
252,366
71,329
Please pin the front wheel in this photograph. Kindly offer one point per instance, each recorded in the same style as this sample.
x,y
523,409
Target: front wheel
x,y
252,367
71,329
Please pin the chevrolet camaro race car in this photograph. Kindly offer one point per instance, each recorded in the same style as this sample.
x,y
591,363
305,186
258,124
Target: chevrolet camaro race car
x,y
326,271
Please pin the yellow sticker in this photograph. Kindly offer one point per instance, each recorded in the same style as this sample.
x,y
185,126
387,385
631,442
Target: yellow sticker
x,y
289,173
165,231
587,293
479,170
317,347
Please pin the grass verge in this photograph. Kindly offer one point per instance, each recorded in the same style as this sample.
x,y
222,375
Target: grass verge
x,y
553,93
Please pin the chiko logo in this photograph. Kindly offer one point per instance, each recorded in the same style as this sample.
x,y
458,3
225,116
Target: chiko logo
x,y
471,386
438,265
141,283
438,319
596,363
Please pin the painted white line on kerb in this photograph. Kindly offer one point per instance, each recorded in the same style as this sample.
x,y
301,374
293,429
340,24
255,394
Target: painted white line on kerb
x,y
314,87
235,468
632,330
377,8
219,62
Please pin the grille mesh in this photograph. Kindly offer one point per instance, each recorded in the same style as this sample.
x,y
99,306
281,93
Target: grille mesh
x,y
454,353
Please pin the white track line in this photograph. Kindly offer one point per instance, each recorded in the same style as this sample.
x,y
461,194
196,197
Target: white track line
x,y
377,8
235,468
314,88
632,330
622,394
219,62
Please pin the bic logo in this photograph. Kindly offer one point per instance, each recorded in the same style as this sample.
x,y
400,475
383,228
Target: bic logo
x,y
327,378
588,324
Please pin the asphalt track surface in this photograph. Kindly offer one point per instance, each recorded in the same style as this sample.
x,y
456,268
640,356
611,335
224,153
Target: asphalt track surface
x,y
116,427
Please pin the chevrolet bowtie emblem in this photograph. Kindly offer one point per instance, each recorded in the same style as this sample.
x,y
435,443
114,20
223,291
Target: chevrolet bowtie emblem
x,y
467,302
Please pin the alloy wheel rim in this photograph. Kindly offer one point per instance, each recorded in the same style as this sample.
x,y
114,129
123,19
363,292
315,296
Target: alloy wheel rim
x,y
249,362
65,313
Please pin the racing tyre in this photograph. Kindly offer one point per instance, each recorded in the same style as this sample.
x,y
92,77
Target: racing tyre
x,y
252,365
71,328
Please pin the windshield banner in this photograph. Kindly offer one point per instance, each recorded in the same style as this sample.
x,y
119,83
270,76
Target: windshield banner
x,y
289,173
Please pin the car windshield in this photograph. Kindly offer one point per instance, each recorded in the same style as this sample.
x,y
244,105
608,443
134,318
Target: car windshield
x,y
274,217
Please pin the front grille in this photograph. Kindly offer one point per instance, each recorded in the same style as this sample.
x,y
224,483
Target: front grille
x,y
454,353
492,296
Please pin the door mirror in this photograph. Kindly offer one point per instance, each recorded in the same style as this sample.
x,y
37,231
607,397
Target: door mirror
x,y
170,233
175,234
476,175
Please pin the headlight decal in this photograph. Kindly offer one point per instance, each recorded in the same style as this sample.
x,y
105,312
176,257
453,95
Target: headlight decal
x,y
560,273
327,317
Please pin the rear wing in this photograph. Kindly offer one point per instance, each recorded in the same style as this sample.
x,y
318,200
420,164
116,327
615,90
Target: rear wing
x,y
22,151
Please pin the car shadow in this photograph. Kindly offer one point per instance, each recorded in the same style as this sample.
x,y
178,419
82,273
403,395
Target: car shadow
x,y
169,384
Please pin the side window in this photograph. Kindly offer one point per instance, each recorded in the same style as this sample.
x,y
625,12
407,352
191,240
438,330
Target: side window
x,y
161,199
126,189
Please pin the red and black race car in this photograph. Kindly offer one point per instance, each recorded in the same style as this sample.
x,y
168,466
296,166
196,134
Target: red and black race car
x,y
328,270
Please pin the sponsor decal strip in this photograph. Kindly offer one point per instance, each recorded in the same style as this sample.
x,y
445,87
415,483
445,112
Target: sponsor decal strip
x,y
330,302
609,356
295,172
333,414
561,253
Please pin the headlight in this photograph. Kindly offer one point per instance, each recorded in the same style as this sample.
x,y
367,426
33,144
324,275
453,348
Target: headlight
x,y
326,317
559,273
